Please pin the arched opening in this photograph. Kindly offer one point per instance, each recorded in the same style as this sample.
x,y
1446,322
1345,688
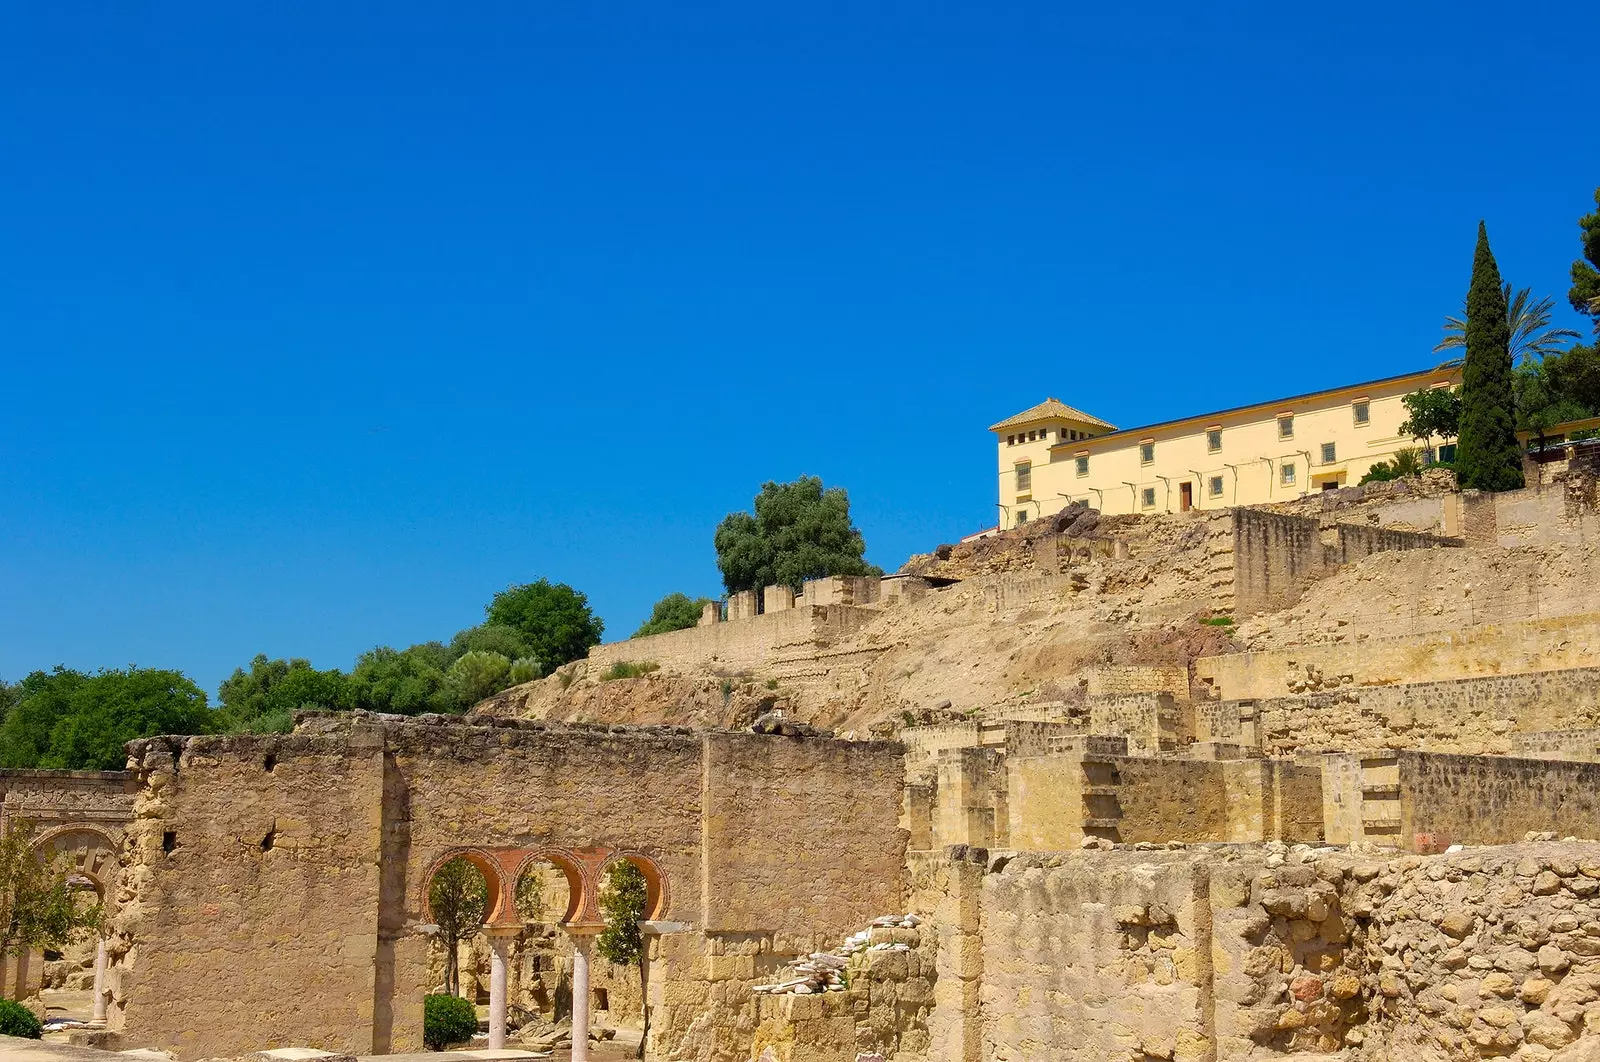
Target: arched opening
x,y
463,891
71,975
631,893
548,894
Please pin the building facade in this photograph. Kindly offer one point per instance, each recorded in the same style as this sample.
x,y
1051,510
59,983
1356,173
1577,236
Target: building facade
x,y
1053,455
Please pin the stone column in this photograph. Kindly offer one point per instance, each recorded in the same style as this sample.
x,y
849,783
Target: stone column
x,y
581,941
99,980
499,948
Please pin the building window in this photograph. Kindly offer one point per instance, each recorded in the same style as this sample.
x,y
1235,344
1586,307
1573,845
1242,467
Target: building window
x,y
1147,453
1362,412
1024,478
1149,498
1286,475
1011,440
1083,466
1214,439
1286,426
1022,517
1447,454
1329,453
1216,486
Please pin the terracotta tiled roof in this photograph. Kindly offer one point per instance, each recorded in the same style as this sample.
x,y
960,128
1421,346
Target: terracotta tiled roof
x,y
1050,407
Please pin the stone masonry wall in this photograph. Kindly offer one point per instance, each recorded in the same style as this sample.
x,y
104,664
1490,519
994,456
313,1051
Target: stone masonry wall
x,y
1508,648
303,859
1475,716
1276,556
1495,800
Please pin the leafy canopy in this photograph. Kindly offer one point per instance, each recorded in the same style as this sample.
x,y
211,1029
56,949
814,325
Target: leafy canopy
x,y
68,720
623,903
477,674
1532,334
1432,411
1488,456
261,700
554,619
1585,291
405,682
799,531
675,612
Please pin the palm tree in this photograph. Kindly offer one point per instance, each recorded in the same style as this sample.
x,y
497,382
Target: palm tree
x,y
1531,335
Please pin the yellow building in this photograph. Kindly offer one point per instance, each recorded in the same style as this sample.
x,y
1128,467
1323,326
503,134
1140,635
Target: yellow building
x,y
1053,455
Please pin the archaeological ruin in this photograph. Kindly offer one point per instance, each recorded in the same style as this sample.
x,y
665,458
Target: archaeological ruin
x,y
1319,778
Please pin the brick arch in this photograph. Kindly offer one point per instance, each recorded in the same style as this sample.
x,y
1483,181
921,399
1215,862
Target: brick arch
x,y
657,896
493,876
578,884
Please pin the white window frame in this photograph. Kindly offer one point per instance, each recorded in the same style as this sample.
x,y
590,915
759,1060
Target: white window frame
x,y
1081,464
1024,473
1215,485
1147,498
1357,408
1147,448
1330,453
1217,432
1287,474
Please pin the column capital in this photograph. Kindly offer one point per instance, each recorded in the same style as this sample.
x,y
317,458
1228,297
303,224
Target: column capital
x,y
501,932
584,929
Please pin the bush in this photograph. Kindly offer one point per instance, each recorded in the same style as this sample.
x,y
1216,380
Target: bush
x,y
447,1020
622,669
17,1020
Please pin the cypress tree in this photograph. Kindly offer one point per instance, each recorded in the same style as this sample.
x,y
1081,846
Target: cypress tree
x,y
1487,454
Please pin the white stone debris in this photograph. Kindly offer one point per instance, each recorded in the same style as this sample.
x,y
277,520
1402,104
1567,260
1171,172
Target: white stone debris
x,y
825,971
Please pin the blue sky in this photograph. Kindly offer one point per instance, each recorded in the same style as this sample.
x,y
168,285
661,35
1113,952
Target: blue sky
x,y
319,324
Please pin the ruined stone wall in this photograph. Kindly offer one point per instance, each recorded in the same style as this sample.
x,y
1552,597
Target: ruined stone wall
x,y
254,864
1277,556
1582,743
743,644
1510,648
1496,800
1171,800
1563,513
304,859
1107,679
1479,715
1148,720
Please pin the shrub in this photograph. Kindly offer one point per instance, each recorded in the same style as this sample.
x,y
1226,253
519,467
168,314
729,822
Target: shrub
x,y
623,669
17,1020
1219,621
447,1020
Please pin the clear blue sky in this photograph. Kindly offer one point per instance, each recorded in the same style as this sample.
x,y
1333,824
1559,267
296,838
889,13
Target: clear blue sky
x,y
321,323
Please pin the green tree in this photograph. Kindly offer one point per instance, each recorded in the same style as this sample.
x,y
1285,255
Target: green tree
x,y
1575,376
1585,291
262,699
523,669
1487,456
1432,411
1532,334
1541,405
477,674
403,682
110,708
458,900
553,617
39,908
38,704
675,612
799,531
492,637
624,903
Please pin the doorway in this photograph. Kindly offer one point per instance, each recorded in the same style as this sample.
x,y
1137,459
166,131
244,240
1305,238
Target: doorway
x,y
1185,496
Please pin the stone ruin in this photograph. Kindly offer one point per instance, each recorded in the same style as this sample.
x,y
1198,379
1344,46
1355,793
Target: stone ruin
x,y
1354,831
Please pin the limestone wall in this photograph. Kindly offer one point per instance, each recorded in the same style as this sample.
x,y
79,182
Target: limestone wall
x,y
744,643
1562,513
1475,715
1495,800
1107,679
304,859
1276,556
1508,648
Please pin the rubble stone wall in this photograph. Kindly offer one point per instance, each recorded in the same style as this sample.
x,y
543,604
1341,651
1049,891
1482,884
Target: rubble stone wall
x,y
1108,679
1511,648
1562,513
303,859
1482,800
1475,716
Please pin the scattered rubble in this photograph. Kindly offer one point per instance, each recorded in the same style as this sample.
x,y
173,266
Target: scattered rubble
x,y
827,971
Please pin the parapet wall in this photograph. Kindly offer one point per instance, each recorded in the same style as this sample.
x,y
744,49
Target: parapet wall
x,y
739,645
